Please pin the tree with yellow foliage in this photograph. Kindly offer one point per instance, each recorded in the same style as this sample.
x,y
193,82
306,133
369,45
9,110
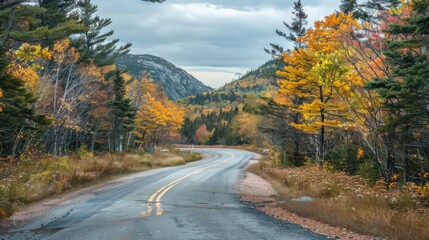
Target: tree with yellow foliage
x,y
314,74
156,121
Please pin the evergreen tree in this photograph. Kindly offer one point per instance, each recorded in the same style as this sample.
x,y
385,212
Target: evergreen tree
x,y
348,6
18,115
370,10
405,91
56,12
34,23
123,114
352,6
288,139
295,30
93,44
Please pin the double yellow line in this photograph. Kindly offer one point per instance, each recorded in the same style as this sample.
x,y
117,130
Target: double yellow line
x,y
163,190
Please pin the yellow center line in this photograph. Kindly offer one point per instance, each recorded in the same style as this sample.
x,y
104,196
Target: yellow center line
x,y
163,190
149,203
158,199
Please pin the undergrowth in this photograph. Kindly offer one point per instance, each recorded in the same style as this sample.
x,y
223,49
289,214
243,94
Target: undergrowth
x,y
350,202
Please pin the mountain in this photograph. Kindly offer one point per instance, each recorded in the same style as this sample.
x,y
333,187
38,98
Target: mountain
x,y
176,82
241,93
255,81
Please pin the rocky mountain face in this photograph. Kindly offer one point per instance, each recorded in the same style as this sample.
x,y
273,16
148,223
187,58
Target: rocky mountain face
x,y
176,82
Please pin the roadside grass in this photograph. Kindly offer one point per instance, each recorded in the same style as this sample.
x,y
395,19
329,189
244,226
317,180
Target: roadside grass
x,y
348,202
31,179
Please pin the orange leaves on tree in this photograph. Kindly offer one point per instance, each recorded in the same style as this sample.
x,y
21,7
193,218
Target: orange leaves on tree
x,y
317,75
202,134
28,60
62,52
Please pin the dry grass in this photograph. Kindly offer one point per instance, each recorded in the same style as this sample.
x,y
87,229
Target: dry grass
x,y
349,202
32,179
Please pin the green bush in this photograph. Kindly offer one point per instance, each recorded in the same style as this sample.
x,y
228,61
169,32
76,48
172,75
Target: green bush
x,y
368,169
343,157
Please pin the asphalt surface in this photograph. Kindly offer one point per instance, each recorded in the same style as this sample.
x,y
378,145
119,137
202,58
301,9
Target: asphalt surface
x,y
194,201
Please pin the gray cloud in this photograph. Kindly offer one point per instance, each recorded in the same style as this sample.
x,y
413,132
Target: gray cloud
x,y
213,33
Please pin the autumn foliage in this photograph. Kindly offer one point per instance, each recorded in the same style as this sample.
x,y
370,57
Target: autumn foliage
x,y
356,88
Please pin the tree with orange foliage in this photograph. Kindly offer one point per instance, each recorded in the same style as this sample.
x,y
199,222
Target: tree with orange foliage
x,y
315,74
202,134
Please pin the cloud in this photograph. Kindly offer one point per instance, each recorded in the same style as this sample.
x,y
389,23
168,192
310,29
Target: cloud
x,y
212,33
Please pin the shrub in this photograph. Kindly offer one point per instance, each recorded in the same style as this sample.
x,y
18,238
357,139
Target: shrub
x,y
369,170
343,158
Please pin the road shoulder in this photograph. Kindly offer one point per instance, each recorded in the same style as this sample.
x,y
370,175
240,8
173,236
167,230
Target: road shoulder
x,y
257,191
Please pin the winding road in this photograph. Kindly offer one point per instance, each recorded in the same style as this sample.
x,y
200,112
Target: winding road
x,y
193,201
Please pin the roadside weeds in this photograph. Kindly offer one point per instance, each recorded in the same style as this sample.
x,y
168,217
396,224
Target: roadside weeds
x,y
347,202
31,180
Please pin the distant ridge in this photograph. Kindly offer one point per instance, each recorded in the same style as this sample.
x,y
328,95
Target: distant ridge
x,y
176,82
255,81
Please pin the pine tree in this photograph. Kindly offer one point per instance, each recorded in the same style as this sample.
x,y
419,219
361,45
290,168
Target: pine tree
x,y
370,10
57,12
34,23
295,30
123,114
348,6
93,44
280,114
18,115
352,6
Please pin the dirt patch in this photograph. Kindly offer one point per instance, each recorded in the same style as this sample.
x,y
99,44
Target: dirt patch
x,y
252,188
259,192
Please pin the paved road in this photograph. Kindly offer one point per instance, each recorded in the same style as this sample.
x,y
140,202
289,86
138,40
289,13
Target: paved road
x,y
194,201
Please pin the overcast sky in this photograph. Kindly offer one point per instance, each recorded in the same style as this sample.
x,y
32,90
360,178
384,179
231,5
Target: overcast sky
x,y
211,39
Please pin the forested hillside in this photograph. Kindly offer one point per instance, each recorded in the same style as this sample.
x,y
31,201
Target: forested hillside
x,y
217,115
257,81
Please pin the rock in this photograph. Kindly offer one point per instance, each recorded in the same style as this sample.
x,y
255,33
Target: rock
x,y
304,199
150,149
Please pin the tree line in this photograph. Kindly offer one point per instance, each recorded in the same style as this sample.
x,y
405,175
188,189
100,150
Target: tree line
x,y
60,89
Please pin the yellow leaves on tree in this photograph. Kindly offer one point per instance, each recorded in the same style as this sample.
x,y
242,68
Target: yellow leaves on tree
x,y
244,125
27,62
317,74
138,89
157,120
62,52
